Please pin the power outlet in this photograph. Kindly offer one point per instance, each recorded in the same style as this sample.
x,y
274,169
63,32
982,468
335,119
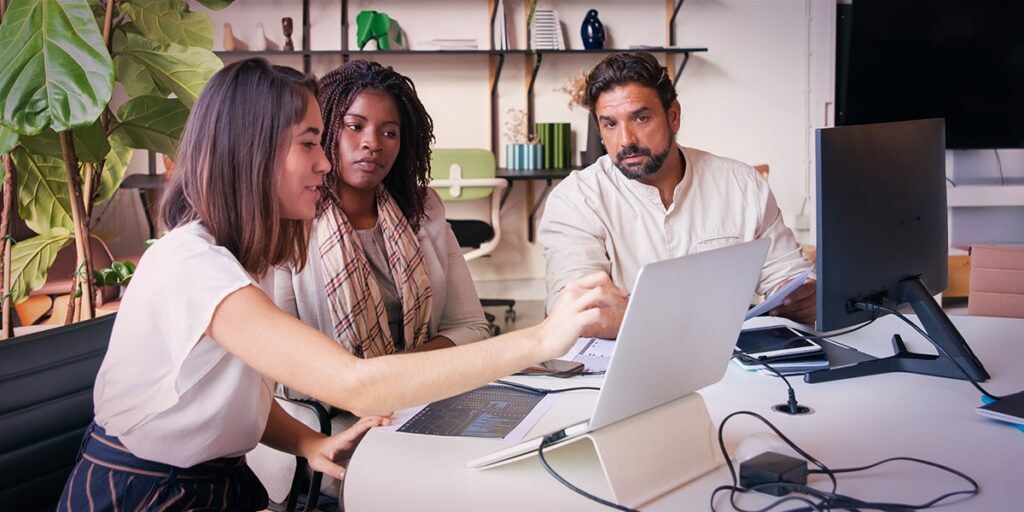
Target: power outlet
x,y
802,222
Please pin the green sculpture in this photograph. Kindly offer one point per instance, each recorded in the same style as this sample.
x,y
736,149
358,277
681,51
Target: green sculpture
x,y
373,25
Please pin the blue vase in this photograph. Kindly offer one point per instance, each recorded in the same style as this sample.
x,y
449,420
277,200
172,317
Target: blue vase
x,y
592,31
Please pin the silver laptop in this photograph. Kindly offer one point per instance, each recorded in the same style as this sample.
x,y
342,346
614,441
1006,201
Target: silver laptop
x,y
677,336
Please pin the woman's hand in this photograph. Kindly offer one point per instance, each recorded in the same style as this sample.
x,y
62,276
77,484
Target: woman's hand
x,y
583,306
323,452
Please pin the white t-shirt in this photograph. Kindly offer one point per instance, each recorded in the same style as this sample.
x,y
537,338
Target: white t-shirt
x,y
168,391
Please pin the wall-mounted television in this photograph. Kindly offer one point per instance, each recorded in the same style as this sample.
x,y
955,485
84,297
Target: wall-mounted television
x,y
962,60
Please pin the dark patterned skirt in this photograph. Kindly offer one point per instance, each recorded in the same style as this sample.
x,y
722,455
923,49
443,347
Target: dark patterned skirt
x,y
108,477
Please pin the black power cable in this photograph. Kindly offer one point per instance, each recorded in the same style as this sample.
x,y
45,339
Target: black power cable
x,y
548,440
870,306
827,500
551,439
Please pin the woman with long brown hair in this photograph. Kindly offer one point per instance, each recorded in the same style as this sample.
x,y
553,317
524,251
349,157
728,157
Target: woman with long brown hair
x,y
185,388
384,273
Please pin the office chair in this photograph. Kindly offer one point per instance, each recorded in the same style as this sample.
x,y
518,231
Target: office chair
x,y
305,488
46,384
468,175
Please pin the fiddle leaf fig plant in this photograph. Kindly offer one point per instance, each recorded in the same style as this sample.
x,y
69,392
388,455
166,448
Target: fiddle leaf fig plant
x,y
65,147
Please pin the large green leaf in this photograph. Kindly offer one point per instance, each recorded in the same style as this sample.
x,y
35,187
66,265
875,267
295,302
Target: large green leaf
x,y
113,170
181,70
132,75
90,143
216,4
170,21
54,69
148,122
42,191
7,140
31,259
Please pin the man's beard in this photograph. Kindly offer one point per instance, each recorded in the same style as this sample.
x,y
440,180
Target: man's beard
x,y
647,168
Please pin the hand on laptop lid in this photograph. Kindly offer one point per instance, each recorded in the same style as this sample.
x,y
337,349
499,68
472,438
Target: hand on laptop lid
x,y
583,306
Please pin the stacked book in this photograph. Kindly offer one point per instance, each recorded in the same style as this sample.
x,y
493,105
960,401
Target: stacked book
x,y
997,281
547,31
556,139
500,41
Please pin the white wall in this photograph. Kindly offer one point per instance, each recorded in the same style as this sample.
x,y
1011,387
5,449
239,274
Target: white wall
x,y
754,96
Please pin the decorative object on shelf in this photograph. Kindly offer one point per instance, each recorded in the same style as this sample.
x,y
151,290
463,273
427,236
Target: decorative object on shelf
x,y
379,27
546,33
515,126
575,88
592,31
524,156
287,27
232,43
523,151
260,44
557,142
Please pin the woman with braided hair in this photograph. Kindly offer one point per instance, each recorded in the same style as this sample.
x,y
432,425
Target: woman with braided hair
x,y
386,274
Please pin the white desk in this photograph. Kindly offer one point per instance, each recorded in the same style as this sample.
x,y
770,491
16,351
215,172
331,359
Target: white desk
x,y
855,422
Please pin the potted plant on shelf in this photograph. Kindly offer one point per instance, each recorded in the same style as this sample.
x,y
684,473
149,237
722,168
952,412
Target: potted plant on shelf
x,y
65,147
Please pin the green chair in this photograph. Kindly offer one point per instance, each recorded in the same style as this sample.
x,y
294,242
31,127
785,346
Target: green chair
x,y
469,175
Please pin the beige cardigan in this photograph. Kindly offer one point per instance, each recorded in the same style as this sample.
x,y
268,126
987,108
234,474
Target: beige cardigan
x,y
456,314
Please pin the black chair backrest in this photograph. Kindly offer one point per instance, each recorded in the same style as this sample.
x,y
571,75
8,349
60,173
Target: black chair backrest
x,y
471,233
46,383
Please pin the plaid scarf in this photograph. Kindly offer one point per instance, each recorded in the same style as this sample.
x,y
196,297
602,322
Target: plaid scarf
x,y
357,310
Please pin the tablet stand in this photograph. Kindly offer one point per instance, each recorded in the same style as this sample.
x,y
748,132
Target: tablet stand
x,y
642,457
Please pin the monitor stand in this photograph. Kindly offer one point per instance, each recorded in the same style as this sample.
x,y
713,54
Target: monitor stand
x,y
939,328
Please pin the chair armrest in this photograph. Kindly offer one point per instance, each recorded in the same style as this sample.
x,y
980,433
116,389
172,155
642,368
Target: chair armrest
x,y
323,417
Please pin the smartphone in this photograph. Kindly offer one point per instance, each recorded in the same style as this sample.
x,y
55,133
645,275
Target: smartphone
x,y
775,342
556,368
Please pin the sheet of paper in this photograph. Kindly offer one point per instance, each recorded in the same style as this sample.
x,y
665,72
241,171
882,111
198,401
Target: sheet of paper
x,y
775,300
594,353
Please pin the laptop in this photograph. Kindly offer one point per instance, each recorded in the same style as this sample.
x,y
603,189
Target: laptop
x,y
677,336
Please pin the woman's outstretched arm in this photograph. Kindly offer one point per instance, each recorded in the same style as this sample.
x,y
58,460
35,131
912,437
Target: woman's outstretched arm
x,y
283,348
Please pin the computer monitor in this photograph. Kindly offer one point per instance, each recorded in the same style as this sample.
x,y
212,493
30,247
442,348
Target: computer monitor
x,y
882,239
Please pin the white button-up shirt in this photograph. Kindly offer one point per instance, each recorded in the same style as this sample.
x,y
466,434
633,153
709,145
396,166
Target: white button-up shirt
x,y
597,219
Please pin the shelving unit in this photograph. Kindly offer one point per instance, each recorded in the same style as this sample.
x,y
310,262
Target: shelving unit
x,y
534,57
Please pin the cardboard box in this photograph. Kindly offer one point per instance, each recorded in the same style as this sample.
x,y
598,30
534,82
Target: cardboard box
x,y
996,304
997,256
997,281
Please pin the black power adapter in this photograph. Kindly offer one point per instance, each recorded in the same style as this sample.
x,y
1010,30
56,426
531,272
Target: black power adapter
x,y
772,468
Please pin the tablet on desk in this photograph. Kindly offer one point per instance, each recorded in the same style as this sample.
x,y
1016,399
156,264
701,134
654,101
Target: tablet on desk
x,y
775,342
1009,408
